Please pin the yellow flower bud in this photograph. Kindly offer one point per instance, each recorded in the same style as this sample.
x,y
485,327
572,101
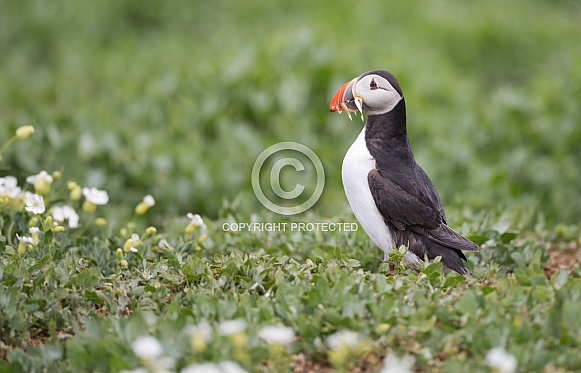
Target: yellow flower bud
x,y
198,342
202,238
16,203
150,231
100,222
42,186
89,207
59,228
72,184
190,228
276,349
241,355
21,247
123,232
33,222
128,245
382,328
239,339
141,208
56,175
123,263
24,132
75,193
119,253
48,221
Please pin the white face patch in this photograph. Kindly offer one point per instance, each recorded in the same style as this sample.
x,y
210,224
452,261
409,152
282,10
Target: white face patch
x,y
378,95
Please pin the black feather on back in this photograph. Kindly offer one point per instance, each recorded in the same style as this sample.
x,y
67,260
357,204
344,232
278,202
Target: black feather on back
x,y
404,194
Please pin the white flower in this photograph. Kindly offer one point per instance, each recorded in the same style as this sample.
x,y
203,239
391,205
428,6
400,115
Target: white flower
x,y
164,244
62,213
203,329
277,334
9,187
202,368
42,175
135,242
25,239
33,230
222,367
41,182
230,327
501,360
342,338
147,348
96,196
161,365
231,367
393,364
34,203
149,200
196,219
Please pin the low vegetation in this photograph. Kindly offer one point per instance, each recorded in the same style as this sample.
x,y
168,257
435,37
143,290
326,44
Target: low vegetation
x,y
123,122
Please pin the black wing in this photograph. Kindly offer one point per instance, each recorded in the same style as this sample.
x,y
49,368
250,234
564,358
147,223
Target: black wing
x,y
416,207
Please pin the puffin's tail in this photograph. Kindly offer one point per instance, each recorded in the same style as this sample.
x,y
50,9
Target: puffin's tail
x,y
422,246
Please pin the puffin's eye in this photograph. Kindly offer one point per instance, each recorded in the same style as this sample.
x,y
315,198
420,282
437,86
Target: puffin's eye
x,y
373,84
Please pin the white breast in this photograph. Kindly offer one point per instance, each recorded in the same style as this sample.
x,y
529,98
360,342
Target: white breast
x,y
356,165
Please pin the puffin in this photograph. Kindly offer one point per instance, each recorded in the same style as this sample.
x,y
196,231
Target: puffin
x,y
391,196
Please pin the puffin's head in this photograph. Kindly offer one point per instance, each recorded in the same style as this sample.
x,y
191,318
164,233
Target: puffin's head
x,y
374,92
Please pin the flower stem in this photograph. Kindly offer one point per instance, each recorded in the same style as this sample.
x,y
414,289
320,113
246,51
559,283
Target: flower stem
x,y
7,144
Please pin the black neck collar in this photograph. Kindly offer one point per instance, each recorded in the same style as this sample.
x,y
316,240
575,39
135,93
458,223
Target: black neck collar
x,y
387,140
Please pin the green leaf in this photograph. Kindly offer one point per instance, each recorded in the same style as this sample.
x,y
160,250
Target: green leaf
x,y
508,237
426,325
454,280
518,258
502,226
12,367
541,293
559,279
523,275
478,240
468,303
433,270
51,353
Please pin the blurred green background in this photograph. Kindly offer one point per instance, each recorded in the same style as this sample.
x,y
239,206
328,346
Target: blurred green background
x,y
178,98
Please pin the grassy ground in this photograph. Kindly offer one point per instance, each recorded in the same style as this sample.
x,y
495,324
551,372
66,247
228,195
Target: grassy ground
x,y
177,99
71,304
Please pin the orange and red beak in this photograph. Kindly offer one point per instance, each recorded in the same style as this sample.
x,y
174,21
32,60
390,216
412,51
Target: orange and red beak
x,y
346,99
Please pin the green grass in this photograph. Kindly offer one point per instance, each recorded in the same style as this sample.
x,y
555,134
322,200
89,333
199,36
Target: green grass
x,y
68,304
177,99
